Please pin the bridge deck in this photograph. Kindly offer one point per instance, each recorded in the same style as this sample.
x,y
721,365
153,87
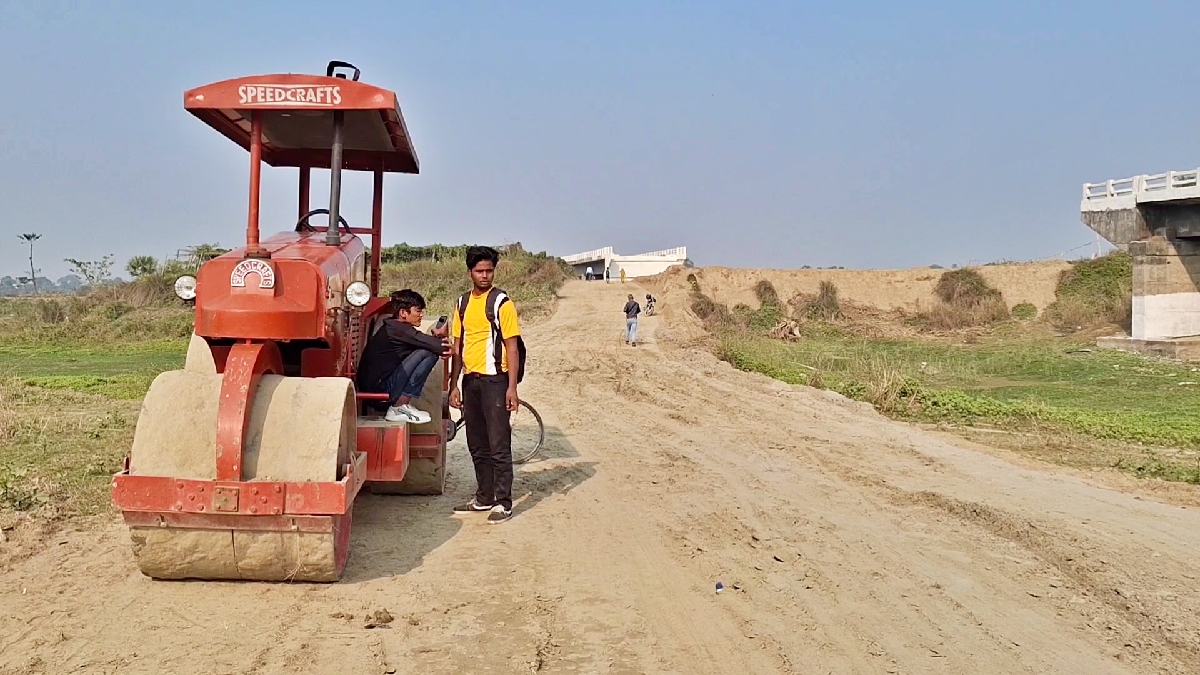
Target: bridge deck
x,y
1127,193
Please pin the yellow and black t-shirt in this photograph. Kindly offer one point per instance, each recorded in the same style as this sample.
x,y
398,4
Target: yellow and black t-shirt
x,y
479,340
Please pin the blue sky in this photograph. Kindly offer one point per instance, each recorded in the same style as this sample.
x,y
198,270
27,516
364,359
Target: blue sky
x,y
869,134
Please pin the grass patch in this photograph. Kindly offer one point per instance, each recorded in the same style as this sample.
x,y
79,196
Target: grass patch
x,y
59,448
1058,388
1024,311
133,360
67,415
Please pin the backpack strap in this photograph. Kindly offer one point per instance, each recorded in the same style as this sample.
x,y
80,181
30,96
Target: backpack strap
x,y
495,299
462,320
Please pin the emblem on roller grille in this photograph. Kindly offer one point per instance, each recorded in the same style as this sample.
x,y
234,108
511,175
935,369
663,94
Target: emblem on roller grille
x,y
266,275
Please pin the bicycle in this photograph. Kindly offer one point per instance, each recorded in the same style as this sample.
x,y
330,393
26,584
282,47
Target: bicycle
x,y
528,432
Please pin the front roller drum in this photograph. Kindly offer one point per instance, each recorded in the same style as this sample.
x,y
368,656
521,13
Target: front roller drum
x,y
316,550
300,431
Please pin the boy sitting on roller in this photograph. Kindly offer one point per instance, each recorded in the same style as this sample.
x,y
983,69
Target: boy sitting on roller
x,y
399,357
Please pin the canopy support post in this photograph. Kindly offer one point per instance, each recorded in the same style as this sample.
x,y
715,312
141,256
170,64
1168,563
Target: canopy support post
x,y
305,182
376,231
253,249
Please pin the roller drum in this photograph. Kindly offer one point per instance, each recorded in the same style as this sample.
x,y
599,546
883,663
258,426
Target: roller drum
x,y
298,430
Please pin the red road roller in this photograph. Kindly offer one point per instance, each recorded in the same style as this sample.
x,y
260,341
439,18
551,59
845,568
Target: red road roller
x,y
245,463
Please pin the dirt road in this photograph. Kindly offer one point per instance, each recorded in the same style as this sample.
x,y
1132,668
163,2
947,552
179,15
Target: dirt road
x,y
846,544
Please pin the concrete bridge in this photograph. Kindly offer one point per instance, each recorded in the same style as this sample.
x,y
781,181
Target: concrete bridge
x,y
1156,219
639,265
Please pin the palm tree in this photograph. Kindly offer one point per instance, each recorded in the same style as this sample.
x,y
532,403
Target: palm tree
x,y
30,238
141,265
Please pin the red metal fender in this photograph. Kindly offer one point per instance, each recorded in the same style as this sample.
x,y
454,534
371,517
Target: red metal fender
x,y
245,365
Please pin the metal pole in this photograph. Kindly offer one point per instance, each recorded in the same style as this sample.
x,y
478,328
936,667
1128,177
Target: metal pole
x,y
252,246
305,181
376,231
332,238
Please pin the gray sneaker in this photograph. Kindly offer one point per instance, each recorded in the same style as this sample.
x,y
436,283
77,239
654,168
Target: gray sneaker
x,y
499,514
472,506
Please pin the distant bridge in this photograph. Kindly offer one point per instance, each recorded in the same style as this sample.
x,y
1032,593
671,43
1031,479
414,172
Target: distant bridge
x,y
1156,219
639,265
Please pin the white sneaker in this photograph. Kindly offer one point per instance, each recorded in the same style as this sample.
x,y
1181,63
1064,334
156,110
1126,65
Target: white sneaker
x,y
399,414
422,416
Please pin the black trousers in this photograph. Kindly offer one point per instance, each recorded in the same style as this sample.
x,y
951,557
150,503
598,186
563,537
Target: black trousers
x,y
489,437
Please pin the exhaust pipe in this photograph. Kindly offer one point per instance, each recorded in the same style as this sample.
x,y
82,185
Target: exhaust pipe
x,y
332,236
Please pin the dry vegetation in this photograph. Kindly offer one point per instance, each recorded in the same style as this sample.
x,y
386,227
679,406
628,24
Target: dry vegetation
x,y
532,279
971,362
964,300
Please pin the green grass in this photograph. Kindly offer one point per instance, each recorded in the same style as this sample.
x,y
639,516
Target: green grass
x,y
149,357
1009,384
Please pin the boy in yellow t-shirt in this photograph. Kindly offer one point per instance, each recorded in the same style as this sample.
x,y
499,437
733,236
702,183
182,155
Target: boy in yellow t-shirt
x,y
489,361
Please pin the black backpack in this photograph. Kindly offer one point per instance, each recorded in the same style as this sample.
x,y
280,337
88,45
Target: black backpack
x,y
495,299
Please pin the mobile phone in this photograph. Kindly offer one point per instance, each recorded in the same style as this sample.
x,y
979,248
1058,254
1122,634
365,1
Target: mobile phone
x,y
441,322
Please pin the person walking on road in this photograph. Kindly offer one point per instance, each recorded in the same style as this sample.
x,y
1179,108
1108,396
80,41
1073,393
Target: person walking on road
x,y
486,334
632,309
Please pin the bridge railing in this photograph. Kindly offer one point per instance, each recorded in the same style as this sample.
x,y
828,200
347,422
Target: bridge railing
x,y
1147,187
677,252
598,254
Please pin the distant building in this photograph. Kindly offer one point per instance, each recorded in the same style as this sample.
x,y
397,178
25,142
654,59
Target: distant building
x,y
640,265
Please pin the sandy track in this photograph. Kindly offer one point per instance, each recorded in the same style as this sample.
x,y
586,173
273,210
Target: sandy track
x,y
847,543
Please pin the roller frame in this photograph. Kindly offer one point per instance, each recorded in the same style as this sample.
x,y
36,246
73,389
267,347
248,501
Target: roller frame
x,y
180,497
229,502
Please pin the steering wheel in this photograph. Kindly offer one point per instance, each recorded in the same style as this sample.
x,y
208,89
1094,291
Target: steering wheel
x,y
303,226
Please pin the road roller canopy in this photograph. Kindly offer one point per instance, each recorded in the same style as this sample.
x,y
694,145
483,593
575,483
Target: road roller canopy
x,y
297,119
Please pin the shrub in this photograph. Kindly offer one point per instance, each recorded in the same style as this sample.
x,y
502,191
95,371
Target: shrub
x,y
1094,292
965,300
742,313
1024,311
964,288
765,292
825,305
766,317
704,306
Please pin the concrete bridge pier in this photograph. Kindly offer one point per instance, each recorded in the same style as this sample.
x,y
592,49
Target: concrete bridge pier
x,y
1156,219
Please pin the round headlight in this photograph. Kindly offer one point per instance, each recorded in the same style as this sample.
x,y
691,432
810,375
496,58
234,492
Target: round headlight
x,y
185,287
358,294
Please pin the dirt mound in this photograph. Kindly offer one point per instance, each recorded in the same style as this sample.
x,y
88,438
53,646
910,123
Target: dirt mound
x,y
910,290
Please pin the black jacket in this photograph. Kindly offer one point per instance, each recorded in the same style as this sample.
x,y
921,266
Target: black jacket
x,y
387,348
632,309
